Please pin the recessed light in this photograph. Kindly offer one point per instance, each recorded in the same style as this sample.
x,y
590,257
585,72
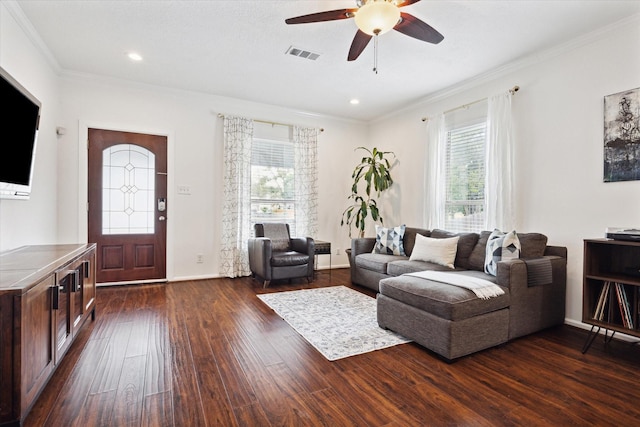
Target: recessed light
x,y
354,101
134,56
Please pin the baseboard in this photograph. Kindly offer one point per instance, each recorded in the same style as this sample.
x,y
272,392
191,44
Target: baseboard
x,y
200,277
619,335
132,282
335,266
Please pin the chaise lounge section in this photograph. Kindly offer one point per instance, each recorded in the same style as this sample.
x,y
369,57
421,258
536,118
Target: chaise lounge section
x,y
453,321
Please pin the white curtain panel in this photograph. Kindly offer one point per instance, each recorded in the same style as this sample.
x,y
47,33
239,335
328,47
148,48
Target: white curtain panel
x,y
305,143
435,173
499,181
236,208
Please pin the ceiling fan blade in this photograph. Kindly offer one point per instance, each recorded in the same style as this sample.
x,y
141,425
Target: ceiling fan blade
x,y
360,41
413,27
407,3
330,15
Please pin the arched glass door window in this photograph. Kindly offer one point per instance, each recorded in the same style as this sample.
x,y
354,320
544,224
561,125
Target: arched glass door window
x,y
128,190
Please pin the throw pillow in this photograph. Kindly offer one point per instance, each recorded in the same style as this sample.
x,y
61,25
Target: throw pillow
x,y
389,240
465,245
410,238
500,246
437,251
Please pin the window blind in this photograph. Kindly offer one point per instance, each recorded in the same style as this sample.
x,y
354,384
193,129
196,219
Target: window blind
x,y
272,182
465,178
272,154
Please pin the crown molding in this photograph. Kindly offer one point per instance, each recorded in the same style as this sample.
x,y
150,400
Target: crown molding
x,y
27,27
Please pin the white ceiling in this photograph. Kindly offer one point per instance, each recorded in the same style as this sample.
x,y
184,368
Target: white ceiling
x,y
236,48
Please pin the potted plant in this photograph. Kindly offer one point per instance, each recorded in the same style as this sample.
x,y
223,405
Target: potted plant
x,y
373,169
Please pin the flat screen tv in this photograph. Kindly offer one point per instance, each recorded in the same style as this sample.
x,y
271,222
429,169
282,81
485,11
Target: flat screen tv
x,y
19,121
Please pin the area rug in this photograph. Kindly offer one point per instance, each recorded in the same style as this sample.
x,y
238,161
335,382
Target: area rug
x,y
338,321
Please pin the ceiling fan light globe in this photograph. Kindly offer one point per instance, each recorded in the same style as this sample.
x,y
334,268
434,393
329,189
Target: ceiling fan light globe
x,y
377,17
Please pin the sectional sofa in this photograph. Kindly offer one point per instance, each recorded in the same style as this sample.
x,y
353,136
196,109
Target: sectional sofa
x,y
452,320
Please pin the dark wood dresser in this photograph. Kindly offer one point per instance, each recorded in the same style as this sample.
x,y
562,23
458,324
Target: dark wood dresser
x,y
47,293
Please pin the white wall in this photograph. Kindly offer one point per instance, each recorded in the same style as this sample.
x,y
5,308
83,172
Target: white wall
x,y
33,221
558,116
195,159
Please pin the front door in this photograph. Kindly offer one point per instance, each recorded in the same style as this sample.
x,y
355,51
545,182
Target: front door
x,y
128,205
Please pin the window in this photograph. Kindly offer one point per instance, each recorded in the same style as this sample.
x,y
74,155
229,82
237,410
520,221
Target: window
x,y
469,176
465,178
272,182
128,193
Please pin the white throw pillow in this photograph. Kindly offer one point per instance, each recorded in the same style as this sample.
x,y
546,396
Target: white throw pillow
x,y
500,246
437,251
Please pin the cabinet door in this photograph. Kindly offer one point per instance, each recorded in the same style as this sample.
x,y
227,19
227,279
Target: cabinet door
x,y
83,291
62,298
89,282
75,298
37,339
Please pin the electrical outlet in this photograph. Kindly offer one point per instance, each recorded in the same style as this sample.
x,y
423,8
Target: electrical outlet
x,y
199,258
337,251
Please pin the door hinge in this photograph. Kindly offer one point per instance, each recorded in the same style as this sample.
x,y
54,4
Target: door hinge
x,y
87,206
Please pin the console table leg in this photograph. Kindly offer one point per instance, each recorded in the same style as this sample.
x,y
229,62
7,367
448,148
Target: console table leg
x,y
607,339
592,336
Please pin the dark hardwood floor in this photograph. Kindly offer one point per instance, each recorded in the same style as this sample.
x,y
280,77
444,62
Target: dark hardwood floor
x,y
209,353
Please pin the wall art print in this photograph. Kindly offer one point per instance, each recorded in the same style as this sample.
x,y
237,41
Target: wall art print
x,y
622,136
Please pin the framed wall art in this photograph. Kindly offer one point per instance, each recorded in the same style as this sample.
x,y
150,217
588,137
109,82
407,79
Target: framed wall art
x,y
622,136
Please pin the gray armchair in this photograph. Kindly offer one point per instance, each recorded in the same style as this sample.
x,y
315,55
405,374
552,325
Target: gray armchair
x,y
274,254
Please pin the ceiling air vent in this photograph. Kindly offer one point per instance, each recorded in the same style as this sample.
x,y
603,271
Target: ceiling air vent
x,y
302,53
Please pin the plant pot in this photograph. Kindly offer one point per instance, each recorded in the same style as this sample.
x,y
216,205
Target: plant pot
x,y
351,266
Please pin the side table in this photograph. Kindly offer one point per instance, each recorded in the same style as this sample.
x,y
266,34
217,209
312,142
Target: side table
x,y
323,248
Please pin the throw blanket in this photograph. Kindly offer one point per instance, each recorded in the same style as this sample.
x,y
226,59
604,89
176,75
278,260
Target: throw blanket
x,y
483,289
539,271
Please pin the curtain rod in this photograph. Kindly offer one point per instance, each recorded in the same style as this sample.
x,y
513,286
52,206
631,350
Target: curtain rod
x,y
269,123
512,91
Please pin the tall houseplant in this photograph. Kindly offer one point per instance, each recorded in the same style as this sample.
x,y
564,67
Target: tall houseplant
x,y
373,169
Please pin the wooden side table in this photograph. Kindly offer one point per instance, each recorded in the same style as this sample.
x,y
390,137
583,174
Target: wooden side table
x,y
323,248
610,288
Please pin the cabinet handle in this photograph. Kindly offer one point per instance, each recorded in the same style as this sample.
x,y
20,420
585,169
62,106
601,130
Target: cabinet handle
x,y
55,291
74,278
85,267
76,281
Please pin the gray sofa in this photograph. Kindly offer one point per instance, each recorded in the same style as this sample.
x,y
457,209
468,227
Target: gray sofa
x,y
451,320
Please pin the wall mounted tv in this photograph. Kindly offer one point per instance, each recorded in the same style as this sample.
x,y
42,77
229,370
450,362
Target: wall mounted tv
x,y
19,122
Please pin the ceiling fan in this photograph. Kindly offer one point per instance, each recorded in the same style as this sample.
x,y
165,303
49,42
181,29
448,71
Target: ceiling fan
x,y
375,17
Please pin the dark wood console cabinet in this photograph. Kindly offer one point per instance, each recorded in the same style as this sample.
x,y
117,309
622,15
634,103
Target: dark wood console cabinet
x,y
46,295
611,287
